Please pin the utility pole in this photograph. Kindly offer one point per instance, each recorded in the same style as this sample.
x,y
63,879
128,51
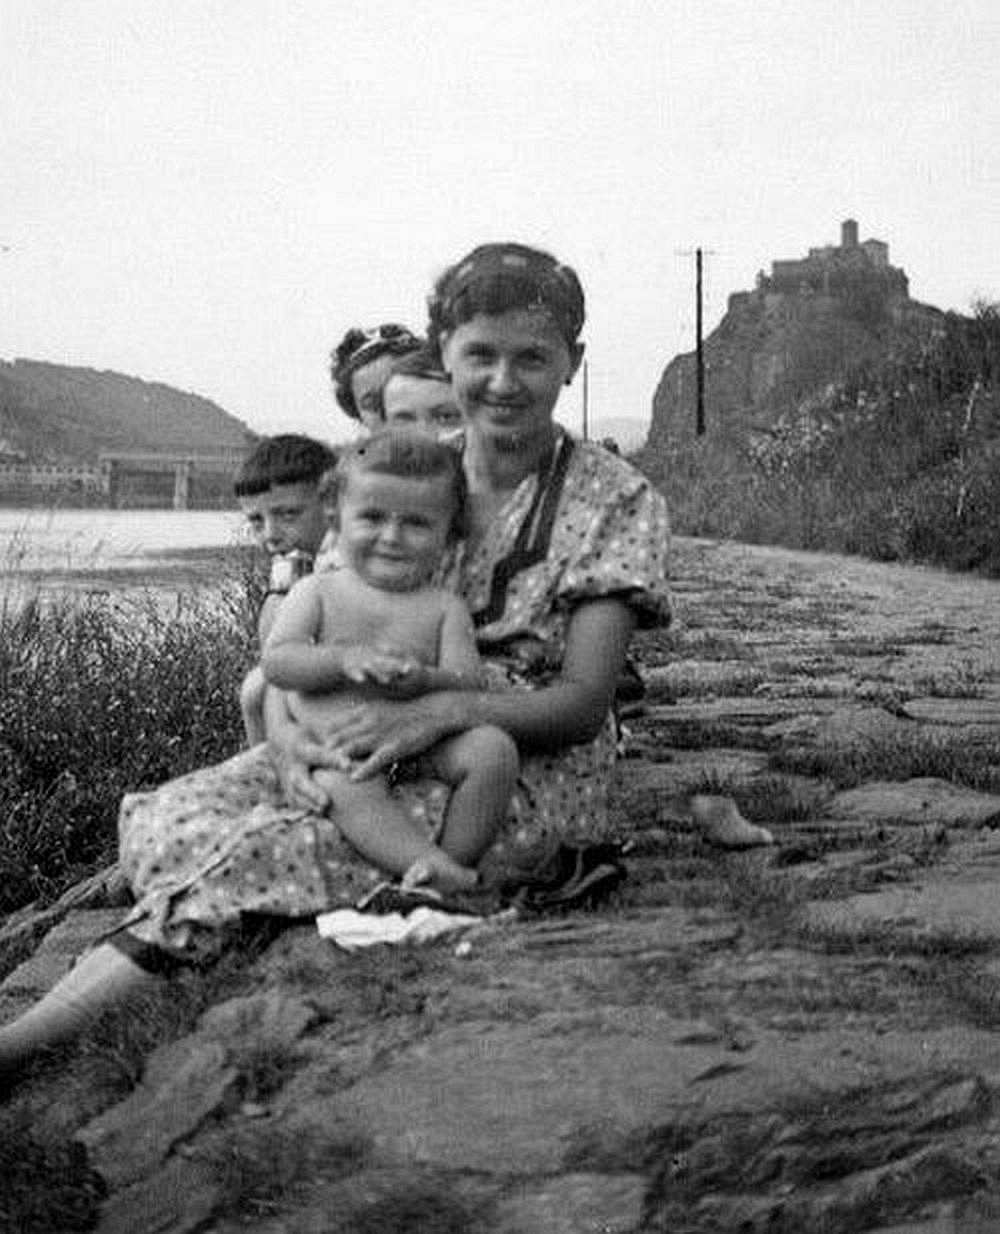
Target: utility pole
x,y
699,351
586,421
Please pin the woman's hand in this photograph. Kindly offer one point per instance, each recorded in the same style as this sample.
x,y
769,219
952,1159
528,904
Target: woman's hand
x,y
377,734
295,754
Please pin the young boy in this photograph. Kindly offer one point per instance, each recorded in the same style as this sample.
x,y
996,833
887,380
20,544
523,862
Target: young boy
x,y
377,627
278,490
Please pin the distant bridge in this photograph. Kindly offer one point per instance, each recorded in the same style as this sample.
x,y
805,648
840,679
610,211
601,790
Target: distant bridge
x,y
117,467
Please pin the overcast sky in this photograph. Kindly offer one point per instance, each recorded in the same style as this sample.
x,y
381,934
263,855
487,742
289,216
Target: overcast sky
x,y
209,192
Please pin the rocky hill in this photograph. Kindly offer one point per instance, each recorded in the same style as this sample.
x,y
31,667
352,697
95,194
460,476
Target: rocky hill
x,y
839,414
54,413
810,322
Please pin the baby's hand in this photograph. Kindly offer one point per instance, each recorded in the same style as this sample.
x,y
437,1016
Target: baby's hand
x,y
398,675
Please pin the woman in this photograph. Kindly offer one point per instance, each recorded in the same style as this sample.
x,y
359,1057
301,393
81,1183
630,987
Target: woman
x,y
566,555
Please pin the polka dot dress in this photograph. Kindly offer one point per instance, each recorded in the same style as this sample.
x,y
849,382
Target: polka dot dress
x,y
204,849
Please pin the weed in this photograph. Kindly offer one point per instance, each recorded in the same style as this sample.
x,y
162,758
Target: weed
x,y
962,680
424,1206
264,1067
769,899
894,459
901,756
683,641
884,939
928,634
99,696
963,987
694,680
762,799
45,1183
260,1165
859,648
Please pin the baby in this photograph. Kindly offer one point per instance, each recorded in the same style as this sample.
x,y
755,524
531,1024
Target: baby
x,y
376,626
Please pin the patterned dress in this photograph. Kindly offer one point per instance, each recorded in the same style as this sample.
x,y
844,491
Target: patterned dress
x,y
202,850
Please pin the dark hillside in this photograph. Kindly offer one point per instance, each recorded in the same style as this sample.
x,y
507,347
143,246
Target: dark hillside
x,y
55,413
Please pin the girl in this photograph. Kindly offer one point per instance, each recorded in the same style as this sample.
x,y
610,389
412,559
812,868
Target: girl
x,y
360,364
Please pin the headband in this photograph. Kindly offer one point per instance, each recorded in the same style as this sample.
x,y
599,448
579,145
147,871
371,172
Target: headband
x,y
364,346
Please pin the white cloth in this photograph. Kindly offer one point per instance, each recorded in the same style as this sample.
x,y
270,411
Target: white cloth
x,y
352,930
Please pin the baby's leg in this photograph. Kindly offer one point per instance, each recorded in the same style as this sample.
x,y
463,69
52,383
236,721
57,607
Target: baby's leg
x,y
482,765
252,693
385,835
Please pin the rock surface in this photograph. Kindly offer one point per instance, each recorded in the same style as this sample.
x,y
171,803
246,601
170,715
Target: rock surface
x,y
788,1038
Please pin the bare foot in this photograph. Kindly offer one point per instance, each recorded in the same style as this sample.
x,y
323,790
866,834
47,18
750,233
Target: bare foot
x,y
721,823
440,873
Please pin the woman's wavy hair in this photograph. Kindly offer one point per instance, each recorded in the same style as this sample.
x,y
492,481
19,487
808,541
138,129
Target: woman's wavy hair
x,y
495,278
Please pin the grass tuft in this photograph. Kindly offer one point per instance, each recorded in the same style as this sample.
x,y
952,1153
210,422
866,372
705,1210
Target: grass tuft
x,y
100,696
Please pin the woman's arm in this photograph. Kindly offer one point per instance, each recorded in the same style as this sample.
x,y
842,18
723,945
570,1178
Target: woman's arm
x,y
569,711
459,666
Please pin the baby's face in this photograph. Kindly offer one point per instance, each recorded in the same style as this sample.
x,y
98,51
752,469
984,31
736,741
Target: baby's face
x,y
423,402
286,517
393,530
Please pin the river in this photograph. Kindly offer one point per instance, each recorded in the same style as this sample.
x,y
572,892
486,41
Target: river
x,y
100,548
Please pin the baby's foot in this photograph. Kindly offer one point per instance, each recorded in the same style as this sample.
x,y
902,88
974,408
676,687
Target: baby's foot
x,y
721,823
441,873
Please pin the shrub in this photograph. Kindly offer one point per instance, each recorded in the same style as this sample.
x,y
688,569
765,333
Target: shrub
x,y
895,460
102,695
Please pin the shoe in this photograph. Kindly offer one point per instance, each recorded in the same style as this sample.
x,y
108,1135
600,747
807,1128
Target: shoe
x,y
630,688
577,877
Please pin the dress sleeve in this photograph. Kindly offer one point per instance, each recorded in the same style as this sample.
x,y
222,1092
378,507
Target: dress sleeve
x,y
622,546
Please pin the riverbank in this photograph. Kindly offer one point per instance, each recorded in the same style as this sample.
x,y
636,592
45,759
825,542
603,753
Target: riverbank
x,y
801,1037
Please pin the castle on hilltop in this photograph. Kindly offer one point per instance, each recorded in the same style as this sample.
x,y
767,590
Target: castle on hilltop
x,y
836,268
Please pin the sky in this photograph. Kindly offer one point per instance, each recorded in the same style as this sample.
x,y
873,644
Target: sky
x,y
210,192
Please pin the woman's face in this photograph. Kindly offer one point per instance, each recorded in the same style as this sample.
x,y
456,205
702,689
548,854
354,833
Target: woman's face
x,y
423,402
366,386
507,371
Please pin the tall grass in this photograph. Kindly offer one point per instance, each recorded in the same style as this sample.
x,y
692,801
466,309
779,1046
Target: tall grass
x,y
101,695
895,460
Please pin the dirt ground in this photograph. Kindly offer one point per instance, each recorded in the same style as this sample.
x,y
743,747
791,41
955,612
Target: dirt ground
x,y
793,1037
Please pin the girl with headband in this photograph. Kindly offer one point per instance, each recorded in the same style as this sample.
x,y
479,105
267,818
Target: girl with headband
x,y
360,364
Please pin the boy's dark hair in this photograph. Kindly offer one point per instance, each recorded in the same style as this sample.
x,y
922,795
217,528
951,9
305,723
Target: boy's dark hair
x,y
288,458
360,347
405,452
495,278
